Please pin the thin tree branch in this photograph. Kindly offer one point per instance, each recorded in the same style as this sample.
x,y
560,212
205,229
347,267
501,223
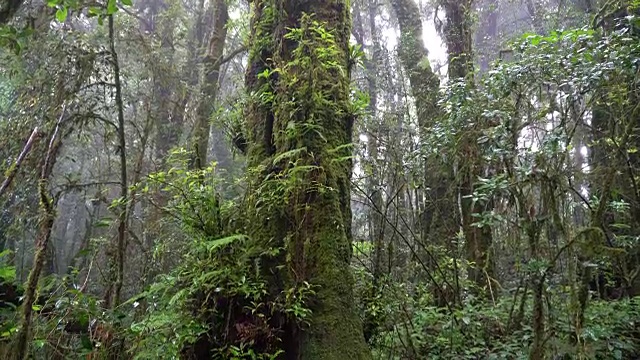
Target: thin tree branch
x,y
14,169
231,55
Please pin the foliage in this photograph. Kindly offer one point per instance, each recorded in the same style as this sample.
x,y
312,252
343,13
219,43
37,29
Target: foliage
x,y
224,263
216,301
486,331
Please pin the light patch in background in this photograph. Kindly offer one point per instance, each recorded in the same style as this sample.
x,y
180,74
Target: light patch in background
x,y
435,45
432,42
584,151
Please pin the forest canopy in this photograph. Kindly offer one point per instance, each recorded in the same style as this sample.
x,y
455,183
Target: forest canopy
x,y
320,180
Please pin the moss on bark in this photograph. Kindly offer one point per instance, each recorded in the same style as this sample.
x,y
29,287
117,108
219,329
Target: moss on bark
x,y
299,127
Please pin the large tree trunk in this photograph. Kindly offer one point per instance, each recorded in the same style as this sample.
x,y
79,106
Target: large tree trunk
x,y
298,124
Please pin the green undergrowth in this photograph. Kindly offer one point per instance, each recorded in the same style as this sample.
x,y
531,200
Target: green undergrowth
x,y
411,326
215,303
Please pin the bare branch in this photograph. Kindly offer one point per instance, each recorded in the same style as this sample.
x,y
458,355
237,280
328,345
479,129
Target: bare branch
x,y
14,169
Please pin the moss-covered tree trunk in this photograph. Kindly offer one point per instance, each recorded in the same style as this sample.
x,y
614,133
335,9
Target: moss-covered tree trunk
x,y
299,125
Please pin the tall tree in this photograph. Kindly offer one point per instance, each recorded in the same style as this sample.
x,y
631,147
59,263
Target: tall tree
x,y
299,125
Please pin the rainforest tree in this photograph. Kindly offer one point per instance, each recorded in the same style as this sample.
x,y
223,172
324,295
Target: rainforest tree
x,y
299,126
402,179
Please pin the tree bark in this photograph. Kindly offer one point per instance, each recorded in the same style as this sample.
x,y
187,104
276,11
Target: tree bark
x,y
299,124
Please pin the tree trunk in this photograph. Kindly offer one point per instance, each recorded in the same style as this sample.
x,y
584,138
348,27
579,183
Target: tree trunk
x,y
535,9
190,71
374,189
415,60
212,63
164,86
299,124
485,40
116,265
438,218
477,239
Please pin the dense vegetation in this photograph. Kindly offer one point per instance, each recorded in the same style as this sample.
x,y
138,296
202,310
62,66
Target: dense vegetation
x,y
223,179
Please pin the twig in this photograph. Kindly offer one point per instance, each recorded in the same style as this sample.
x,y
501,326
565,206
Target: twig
x,y
138,17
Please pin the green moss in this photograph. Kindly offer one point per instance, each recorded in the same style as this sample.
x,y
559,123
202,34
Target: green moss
x,y
300,123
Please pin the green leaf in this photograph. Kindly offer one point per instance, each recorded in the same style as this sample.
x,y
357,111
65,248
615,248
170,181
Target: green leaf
x,y
61,14
127,2
9,332
8,273
106,222
52,3
211,245
93,11
39,343
112,7
289,155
